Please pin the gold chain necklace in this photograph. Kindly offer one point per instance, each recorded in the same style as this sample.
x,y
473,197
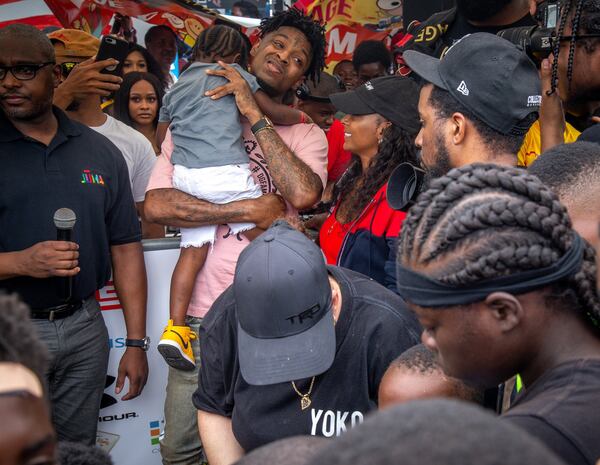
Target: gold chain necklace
x,y
304,398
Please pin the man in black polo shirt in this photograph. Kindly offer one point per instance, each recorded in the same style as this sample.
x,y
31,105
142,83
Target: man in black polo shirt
x,y
49,162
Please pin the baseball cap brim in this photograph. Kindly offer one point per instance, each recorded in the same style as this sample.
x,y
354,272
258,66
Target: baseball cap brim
x,y
351,103
426,66
285,359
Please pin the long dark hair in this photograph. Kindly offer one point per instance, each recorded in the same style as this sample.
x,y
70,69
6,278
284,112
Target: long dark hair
x,y
358,187
153,67
122,96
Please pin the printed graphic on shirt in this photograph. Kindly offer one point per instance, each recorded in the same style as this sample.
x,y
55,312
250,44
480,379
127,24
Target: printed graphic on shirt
x,y
87,177
329,423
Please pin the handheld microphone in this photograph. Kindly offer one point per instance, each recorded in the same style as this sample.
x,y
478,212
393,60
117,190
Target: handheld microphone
x,y
64,220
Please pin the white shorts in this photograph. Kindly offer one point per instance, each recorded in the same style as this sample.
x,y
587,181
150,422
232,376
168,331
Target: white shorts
x,y
217,184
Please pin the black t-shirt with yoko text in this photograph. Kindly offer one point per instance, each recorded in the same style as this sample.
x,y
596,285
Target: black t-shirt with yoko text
x,y
373,328
562,409
81,170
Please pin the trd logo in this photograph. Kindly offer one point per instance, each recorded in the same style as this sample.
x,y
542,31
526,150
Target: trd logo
x,y
306,314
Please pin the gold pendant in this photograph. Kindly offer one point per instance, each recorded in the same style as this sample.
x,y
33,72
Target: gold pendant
x,y
305,402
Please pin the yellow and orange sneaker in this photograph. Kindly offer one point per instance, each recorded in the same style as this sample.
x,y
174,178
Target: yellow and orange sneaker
x,y
176,348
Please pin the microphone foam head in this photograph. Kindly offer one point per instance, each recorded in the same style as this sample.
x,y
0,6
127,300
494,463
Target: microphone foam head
x,y
64,218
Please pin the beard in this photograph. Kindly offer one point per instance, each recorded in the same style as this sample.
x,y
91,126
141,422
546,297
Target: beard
x,y
29,113
478,10
442,163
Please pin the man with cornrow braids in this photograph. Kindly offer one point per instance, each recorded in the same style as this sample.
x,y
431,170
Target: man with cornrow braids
x,y
478,103
502,284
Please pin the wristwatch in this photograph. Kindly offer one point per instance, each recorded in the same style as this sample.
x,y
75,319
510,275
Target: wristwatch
x,y
263,123
143,344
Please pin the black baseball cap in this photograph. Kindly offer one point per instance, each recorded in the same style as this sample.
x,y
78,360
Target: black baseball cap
x,y
489,75
284,311
395,98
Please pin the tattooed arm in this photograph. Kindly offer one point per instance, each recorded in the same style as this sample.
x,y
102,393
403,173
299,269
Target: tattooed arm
x,y
166,205
176,208
295,180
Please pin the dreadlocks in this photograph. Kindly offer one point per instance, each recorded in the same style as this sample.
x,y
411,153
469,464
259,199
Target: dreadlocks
x,y
313,30
484,221
221,41
356,188
585,19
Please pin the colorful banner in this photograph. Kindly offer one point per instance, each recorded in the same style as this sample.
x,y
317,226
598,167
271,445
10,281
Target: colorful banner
x,y
130,430
33,12
349,22
185,17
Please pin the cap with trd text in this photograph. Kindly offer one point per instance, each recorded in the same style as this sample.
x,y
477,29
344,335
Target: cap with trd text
x,y
283,305
489,75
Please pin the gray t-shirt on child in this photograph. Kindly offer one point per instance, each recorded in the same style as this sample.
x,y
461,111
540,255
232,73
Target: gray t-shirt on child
x,y
205,132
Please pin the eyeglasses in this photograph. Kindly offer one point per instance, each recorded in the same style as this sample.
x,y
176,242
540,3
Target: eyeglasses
x,y
67,67
577,37
23,72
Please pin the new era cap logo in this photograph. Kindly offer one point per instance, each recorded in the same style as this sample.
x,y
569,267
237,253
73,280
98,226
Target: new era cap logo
x,y
463,89
369,86
534,100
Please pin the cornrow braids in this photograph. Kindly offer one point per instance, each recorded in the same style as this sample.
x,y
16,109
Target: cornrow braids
x,y
313,30
357,188
222,41
485,221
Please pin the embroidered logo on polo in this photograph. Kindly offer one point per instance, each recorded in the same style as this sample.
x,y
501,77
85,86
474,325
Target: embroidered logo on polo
x,y
87,177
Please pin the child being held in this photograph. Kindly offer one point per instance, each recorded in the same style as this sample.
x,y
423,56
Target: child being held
x,y
210,163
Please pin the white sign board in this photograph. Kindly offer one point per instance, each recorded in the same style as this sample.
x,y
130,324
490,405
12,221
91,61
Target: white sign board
x,y
130,430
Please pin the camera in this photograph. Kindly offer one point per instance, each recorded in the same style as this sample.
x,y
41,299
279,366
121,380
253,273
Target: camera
x,y
536,41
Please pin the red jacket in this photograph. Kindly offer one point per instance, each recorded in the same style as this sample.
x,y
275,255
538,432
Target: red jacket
x,y
369,243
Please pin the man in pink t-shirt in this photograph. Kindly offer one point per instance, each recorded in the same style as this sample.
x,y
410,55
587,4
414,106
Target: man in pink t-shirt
x,y
290,165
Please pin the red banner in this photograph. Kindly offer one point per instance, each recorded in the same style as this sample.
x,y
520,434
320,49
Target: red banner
x,y
93,16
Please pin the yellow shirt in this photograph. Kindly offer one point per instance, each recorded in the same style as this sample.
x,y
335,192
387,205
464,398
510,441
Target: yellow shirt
x,y
532,145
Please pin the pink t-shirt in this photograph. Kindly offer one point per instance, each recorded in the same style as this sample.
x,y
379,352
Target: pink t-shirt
x,y
307,141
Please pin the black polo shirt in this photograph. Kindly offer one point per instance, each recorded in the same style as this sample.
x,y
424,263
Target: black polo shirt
x,y
81,170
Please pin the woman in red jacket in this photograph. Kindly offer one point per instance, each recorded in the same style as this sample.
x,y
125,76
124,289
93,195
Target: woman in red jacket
x,y
381,123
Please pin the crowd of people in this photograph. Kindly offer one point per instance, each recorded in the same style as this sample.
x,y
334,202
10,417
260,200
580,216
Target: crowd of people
x,y
314,286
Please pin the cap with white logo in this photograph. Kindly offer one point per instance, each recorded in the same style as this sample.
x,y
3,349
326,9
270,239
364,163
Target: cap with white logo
x,y
393,97
487,74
